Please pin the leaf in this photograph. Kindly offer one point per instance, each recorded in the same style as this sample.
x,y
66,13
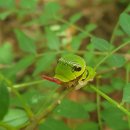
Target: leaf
x,y
116,60
101,44
76,42
50,13
126,93
31,4
21,65
70,109
113,117
52,40
15,117
44,63
89,106
90,27
51,124
25,43
74,18
6,55
4,15
8,4
88,126
124,22
4,99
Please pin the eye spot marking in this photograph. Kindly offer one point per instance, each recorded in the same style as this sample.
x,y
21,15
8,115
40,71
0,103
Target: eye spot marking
x,y
76,68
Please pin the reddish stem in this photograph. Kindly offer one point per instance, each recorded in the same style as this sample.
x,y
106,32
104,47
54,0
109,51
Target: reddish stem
x,y
51,79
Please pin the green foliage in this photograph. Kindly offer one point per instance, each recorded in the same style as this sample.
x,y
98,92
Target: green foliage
x,y
88,126
4,99
101,44
70,109
126,95
15,117
51,124
116,60
44,62
114,118
6,55
25,43
125,22
34,35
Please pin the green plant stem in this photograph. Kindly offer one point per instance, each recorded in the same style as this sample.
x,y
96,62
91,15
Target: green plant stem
x,y
28,84
113,102
110,53
98,106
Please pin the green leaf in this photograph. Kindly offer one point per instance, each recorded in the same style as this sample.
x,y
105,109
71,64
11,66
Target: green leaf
x,y
31,4
4,15
25,43
101,44
126,93
8,4
4,99
76,42
89,106
88,126
90,27
44,63
6,55
74,18
52,40
113,117
70,109
15,117
21,65
51,124
124,22
50,11
116,60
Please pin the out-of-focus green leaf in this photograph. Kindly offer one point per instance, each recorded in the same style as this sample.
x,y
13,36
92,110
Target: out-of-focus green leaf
x,y
4,15
117,83
70,109
90,27
101,44
113,117
124,22
52,40
8,4
88,126
50,12
44,63
76,42
25,43
6,55
51,124
89,106
4,99
116,60
21,65
15,117
31,4
74,18
126,93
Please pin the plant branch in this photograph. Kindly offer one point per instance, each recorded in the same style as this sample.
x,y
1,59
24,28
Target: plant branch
x,y
110,53
113,102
